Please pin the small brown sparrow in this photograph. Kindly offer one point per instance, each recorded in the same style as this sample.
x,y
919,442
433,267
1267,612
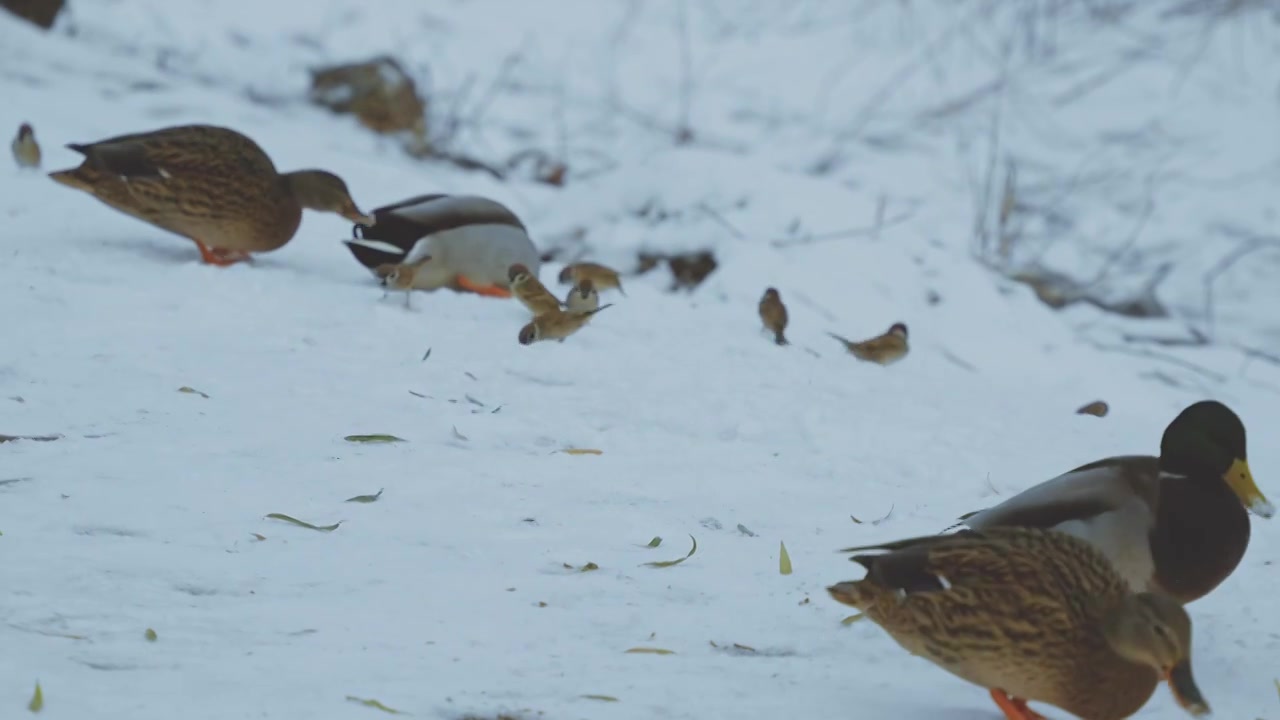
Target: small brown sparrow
x,y
603,278
26,151
400,277
883,349
1097,408
774,315
583,297
556,325
528,289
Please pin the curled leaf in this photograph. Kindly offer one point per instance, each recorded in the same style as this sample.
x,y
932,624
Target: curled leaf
x,y
582,451
650,651
150,635
655,542
585,568
878,520
375,705
669,563
784,560
852,619
37,699
602,698
300,523
192,391
375,438
365,498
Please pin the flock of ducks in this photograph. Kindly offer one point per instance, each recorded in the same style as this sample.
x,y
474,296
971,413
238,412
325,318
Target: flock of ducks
x,y
1070,593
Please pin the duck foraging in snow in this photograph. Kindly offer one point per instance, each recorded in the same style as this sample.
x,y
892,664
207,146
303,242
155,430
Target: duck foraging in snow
x,y
209,184
470,241
1029,614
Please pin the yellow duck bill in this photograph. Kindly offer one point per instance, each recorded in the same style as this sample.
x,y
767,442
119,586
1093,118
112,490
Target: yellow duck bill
x,y
1240,479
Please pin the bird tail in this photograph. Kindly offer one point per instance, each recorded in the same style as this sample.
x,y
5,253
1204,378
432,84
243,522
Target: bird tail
x,y
855,593
71,178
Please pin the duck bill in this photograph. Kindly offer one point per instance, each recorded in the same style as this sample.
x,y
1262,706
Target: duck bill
x,y
1240,479
353,214
1185,690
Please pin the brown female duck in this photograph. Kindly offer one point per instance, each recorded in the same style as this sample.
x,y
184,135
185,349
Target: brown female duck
x,y
1029,614
1176,524
209,184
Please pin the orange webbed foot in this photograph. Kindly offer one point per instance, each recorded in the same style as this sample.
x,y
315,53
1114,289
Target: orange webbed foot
x,y
486,290
220,257
1014,708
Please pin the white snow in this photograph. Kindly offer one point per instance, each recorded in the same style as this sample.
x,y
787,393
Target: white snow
x,y
1152,130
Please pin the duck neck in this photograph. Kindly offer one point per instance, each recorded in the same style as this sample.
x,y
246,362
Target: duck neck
x,y
1201,532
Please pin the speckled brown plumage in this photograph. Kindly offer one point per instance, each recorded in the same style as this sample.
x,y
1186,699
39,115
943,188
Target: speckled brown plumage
x,y
774,315
883,349
1020,610
602,277
210,184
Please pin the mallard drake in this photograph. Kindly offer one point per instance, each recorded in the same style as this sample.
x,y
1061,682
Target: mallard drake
x,y
883,349
465,242
1176,523
1029,614
209,184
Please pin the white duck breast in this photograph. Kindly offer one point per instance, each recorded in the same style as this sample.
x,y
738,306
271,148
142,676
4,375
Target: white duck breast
x,y
464,235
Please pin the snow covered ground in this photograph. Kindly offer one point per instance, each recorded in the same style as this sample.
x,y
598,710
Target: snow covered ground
x,y
1141,137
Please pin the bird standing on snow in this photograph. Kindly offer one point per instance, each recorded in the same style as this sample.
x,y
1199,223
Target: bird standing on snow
x,y
530,291
26,151
883,349
1028,614
1176,523
583,297
774,315
603,278
401,277
556,325
209,184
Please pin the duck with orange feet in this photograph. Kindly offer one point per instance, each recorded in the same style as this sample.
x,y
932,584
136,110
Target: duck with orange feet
x,y
465,243
209,184
1030,615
